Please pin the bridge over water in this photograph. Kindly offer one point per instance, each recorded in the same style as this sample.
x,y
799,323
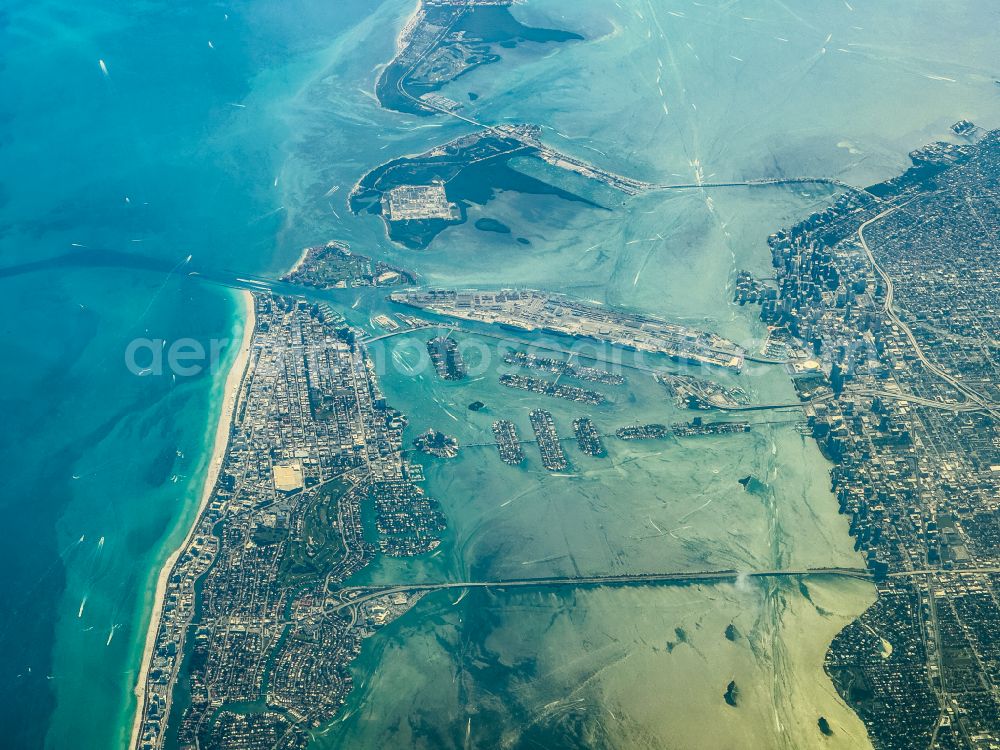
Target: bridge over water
x,y
351,596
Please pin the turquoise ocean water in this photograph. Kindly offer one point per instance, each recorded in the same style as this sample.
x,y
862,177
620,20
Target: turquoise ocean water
x,y
216,132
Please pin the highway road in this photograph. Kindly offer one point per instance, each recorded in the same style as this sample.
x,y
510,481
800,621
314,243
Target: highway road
x,y
890,395
354,595
533,343
351,596
757,182
891,314
628,185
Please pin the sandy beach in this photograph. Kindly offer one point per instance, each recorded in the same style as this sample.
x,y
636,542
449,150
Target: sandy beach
x,y
298,263
234,380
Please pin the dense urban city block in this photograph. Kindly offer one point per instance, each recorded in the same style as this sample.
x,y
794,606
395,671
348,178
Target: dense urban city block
x,y
895,291
251,643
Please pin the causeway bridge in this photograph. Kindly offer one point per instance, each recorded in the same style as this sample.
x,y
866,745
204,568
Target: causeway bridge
x,y
351,596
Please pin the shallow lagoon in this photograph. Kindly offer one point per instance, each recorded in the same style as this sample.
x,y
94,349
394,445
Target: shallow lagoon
x,y
607,667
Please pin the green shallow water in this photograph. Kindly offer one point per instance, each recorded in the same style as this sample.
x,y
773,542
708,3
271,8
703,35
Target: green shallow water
x,y
570,668
628,668
596,667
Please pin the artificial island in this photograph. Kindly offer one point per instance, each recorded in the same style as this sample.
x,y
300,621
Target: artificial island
x,y
445,39
545,312
419,196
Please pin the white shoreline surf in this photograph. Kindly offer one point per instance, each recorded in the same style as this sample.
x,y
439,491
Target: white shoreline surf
x,y
234,381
